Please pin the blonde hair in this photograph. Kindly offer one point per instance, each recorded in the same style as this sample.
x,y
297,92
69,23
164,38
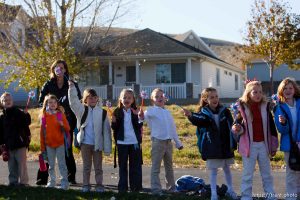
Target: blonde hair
x,y
5,94
122,94
45,104
245,98
204,95
156,90
284,83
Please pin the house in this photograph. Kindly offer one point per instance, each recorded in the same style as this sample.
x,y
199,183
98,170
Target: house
x,y
259,70
13,30
182,65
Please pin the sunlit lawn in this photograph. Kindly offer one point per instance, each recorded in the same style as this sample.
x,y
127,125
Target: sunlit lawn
x,y
188,157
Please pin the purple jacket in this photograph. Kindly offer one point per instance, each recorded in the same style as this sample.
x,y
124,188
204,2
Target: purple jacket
x,y
270,133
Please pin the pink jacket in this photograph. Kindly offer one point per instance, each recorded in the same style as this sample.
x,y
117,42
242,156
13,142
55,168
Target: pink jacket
x,y
270,133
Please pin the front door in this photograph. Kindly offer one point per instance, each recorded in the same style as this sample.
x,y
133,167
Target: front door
x,y
130,75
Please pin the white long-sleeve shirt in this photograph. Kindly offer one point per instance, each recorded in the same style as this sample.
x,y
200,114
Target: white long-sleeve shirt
x,y
162,124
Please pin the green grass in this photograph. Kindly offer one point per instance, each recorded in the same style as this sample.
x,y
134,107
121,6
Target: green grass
x,y
188,157
29,193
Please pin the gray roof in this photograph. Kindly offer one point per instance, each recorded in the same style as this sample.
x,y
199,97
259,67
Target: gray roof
x,y
10,11
143,42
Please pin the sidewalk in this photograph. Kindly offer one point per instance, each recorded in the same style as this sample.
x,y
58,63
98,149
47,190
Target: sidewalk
x,y
110,178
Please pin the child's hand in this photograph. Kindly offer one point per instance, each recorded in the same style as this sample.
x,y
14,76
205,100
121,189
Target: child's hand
x,y
186,112
136,112
181,147
113,118
282,119
236,128
141,114
61,123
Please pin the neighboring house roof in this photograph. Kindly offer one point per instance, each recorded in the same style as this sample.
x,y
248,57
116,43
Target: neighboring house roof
x,y
10,11
203,46
230,52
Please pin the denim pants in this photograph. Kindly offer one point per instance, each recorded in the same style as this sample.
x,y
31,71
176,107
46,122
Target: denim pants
x,y
59,153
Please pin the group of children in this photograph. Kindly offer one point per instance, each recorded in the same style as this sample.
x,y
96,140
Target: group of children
x,y
253,130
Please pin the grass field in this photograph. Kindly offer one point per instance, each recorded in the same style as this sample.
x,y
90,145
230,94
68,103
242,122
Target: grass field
x,y
188,157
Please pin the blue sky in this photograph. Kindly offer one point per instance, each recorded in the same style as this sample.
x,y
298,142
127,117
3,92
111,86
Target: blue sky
x,y
220,19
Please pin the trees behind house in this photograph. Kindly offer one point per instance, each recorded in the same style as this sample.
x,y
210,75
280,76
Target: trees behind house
x,y
273,35
50,26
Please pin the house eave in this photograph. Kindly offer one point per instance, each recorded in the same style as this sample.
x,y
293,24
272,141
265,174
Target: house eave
x,y
177,56
155,57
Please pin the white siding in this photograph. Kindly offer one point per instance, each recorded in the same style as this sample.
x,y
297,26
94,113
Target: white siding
x,y
227,83
196,76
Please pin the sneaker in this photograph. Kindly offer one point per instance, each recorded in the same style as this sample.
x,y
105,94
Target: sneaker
x,y
157,193
99,190
72,182
63,187
172,190
50,185
231,194
85,189
41,182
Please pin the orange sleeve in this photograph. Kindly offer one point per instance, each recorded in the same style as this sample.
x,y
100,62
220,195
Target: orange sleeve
x,y
66,123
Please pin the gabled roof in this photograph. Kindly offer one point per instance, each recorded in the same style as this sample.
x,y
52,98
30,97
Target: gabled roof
x,y
201,44
144,42
8,12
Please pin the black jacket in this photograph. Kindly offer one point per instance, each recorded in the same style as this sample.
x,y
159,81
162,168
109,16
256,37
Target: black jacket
x,y
50,87
214,142
118,126
14,128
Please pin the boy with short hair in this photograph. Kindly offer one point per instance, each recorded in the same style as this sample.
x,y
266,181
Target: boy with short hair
x,y
15,134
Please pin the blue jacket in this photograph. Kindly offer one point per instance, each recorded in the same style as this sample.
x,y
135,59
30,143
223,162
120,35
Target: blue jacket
x,y
214,142
284,129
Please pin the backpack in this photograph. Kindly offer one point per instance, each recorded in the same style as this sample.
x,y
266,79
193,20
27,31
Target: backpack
x,y
83,119
189,183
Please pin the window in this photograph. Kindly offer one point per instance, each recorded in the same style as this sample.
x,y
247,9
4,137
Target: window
x,y
236,82
163,73
230,73
225,72
130,75
20,37
218,77
170,73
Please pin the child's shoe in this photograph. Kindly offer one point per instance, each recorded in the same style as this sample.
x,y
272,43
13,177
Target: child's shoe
x,y
50,185
86,189
231,194
99,190
64,187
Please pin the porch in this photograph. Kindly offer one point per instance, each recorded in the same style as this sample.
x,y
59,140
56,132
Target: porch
x,y
174,91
